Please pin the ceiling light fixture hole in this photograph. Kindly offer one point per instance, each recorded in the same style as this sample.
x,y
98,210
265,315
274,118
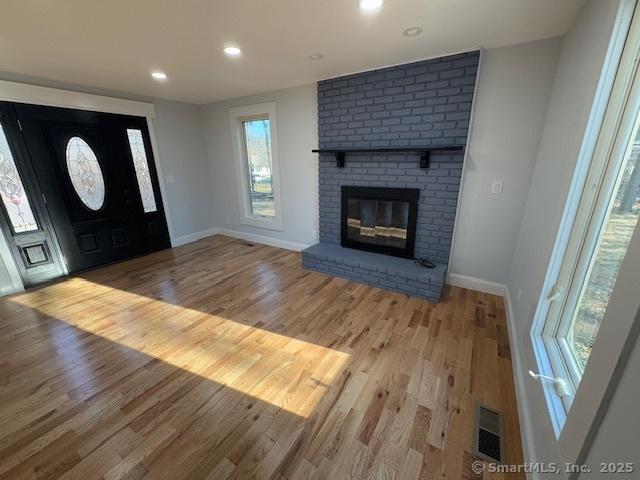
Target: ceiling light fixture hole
x,y
412,32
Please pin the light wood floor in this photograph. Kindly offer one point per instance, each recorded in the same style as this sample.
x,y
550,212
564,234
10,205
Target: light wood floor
x,y
222,360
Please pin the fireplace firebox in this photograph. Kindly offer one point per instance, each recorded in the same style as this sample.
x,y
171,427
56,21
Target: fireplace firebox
x,y
380,220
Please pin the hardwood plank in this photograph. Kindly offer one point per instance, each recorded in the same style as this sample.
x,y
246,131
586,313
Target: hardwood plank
x,y
223,360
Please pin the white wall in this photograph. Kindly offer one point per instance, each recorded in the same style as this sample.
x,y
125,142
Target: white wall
x,y
579,67
296,110
617,438
180,138
512,94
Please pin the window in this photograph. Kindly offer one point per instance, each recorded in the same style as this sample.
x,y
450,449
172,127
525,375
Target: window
x,y
14,196
604,263
600,217
256,151
141,166
85,173
606,218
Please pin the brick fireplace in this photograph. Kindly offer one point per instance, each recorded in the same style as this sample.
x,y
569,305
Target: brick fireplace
x,y
423,104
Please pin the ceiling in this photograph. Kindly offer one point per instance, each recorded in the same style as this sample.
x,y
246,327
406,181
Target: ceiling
x,y
115,44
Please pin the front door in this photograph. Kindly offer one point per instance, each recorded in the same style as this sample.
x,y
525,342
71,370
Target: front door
x,y
24,221
98,183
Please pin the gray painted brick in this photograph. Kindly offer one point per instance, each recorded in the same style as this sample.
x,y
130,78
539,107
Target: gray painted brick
x,y
424,103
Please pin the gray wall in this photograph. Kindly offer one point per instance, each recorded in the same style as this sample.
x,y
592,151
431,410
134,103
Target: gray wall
x,y
297,135
579,67
417,104
511,99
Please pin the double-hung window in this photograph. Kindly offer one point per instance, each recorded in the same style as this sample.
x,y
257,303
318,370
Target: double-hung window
x,y
254,134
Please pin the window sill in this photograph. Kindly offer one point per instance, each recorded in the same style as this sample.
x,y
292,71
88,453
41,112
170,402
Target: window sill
x,y
263,222
555,405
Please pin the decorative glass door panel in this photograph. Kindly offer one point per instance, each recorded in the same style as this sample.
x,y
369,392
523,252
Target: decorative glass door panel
x,y
14,195
141,166
85,173
23,219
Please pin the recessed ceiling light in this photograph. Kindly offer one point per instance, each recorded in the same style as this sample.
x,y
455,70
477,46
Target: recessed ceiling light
x,y
370,5
232,51
316,56
158,75
412,32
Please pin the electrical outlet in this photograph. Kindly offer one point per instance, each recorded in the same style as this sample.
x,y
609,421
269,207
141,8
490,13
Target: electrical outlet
x,y
226,220
314,234
496,187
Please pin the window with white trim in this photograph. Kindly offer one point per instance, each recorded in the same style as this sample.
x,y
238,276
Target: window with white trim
x,y
597,234
253,129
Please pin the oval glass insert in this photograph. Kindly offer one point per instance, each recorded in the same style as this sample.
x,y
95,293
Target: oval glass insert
x,y
85,173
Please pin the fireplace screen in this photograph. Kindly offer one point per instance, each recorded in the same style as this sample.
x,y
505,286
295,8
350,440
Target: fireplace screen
x,y
378,222
379,219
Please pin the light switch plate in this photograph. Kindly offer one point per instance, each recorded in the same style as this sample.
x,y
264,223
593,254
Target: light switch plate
x,y
496,187
169,179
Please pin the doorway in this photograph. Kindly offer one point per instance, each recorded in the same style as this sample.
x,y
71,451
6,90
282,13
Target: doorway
x,y
79,189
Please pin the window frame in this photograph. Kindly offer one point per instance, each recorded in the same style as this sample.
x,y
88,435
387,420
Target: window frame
x,y
599,165
238,115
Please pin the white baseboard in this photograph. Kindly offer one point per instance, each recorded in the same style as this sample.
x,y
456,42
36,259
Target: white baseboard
x,y
250,237
524,412
193,237
263,239
10,289
478,284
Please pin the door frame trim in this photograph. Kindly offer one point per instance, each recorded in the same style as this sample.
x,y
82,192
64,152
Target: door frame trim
x,y
17,92
15,279
54,97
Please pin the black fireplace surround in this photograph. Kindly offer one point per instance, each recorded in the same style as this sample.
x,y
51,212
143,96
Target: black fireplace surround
x,y
380,220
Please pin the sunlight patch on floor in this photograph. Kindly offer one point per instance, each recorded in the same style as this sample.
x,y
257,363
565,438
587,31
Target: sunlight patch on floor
x,y
289,373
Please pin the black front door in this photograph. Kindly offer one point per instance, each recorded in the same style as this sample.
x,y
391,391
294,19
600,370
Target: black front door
x,y
98,183
24,220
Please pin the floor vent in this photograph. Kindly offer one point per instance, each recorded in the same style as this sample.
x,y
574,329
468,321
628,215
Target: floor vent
x,y
487,442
